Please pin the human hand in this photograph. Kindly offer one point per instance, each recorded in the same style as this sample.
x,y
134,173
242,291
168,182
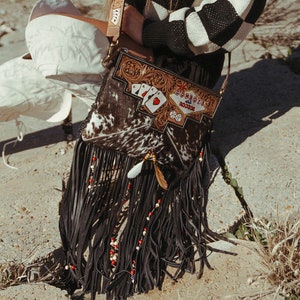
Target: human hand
x,y
132,23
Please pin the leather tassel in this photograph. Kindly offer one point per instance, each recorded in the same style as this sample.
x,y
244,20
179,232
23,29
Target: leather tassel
x,y
160,177
137,169
159,174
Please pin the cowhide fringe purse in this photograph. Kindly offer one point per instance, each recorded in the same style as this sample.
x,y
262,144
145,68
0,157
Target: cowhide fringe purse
x,y
134,210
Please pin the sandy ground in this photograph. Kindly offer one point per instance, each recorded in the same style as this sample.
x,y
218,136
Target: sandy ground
x,y
268,156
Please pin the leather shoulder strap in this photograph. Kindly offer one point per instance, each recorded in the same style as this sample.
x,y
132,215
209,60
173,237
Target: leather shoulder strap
x,y
115,19
225,82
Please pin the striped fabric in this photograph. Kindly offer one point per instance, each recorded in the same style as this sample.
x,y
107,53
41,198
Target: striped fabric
x,y
201,27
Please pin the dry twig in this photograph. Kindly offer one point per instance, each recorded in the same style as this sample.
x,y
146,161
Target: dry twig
x,y
279,247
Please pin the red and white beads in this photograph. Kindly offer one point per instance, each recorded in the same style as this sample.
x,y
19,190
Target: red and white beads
x,y
113,253
201,154
114,247
144,233
92,168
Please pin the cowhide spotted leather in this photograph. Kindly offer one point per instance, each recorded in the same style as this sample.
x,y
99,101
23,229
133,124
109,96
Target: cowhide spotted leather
x,y
116,123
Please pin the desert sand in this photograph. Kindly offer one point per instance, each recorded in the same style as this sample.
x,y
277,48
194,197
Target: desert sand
x,y
256,129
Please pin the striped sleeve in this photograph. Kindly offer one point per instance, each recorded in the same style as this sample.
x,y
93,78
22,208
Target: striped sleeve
x,y
206,28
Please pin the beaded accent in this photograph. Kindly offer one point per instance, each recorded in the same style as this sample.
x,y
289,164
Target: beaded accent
x,y
114,250
114,246
201,154
92,169
140,241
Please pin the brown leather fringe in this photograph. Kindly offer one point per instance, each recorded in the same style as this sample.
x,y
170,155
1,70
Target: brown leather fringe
x,y
156,230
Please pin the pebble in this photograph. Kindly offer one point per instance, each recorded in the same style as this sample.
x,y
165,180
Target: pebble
x,y
4,29
62,151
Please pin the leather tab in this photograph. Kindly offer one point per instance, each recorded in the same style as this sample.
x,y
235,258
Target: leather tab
x,y
115,19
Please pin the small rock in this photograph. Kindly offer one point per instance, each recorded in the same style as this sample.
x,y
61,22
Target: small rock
x,y
4,29
62,151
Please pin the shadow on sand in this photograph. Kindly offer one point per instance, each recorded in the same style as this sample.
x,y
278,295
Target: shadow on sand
x,y
253,99
39,138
